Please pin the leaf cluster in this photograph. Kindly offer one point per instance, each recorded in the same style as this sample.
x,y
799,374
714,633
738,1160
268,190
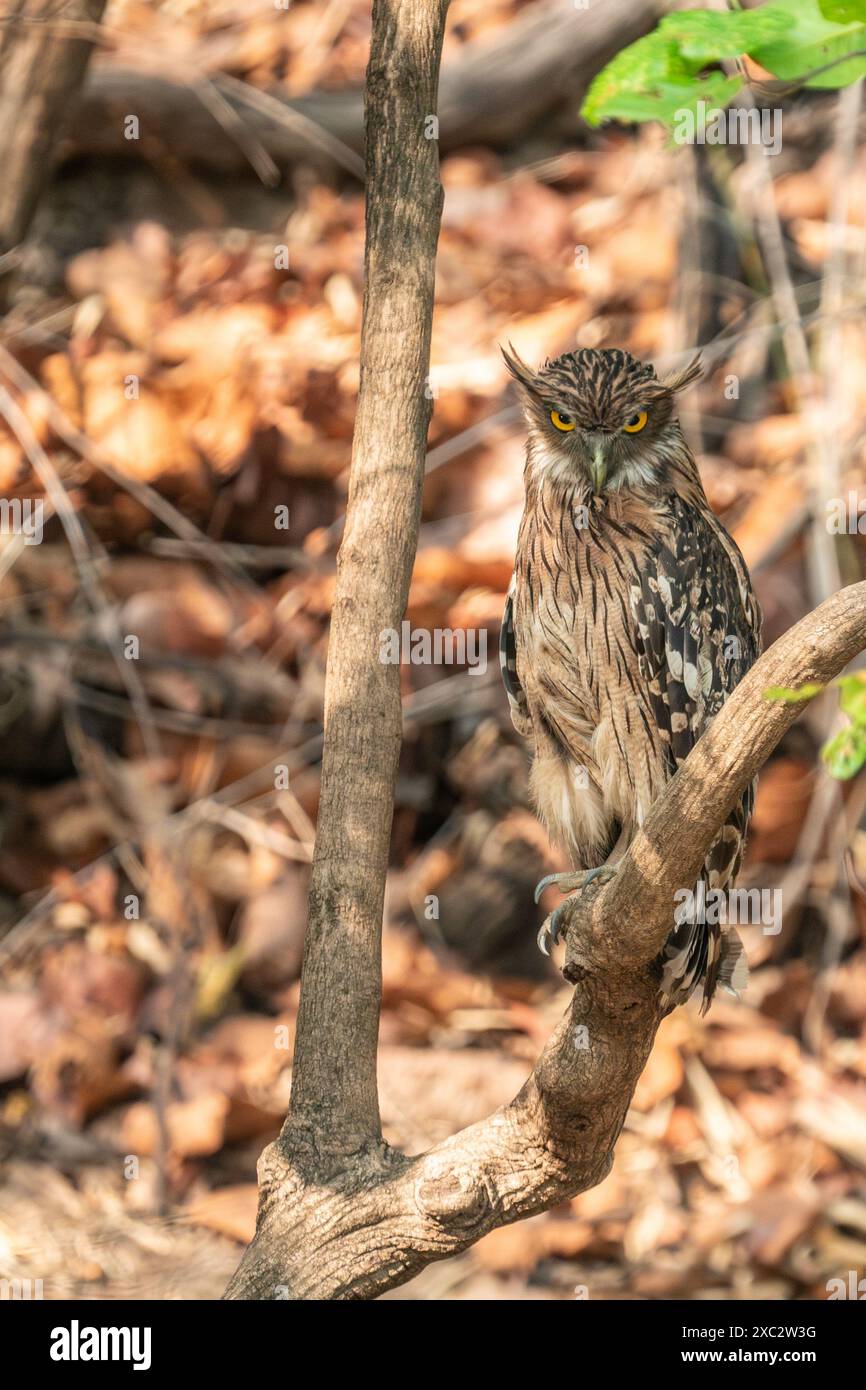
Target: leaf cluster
x,y
808,43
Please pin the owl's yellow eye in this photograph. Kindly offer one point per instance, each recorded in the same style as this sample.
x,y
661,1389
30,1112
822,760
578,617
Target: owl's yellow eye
x,y
562,422
636,423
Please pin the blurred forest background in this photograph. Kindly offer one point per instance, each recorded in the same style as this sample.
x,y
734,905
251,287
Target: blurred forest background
x,y
179,361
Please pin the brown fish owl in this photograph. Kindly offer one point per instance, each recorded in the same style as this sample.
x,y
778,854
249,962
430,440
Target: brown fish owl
x,y
629,620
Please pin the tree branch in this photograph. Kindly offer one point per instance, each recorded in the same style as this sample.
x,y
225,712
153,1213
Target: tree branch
x,y
41,70
334,1085
491,94
352,1229
682,825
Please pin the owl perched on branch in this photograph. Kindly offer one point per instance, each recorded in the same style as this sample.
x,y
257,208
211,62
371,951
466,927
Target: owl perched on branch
x,y
629,620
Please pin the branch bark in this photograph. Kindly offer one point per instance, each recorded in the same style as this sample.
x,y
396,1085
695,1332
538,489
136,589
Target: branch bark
x,y
41,69
334,1095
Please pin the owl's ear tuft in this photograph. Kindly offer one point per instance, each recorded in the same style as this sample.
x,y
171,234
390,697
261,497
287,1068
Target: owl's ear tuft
x,y
523,375
678,381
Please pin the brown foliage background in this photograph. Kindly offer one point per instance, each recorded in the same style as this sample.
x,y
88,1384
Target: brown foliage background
x,y
165,369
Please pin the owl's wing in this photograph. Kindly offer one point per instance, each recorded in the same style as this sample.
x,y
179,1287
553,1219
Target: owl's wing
x,y
698,625
698,632
508,666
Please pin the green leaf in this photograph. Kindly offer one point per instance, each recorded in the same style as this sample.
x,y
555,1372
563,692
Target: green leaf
x,y
664,72
633,80
793,696
845,753
651,81
715,90
843,11
852,696
706,38
811,42
677,66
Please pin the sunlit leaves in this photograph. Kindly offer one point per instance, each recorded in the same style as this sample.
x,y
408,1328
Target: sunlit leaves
x,y
843,11
814,44
678,65
663,72
793,695
845,753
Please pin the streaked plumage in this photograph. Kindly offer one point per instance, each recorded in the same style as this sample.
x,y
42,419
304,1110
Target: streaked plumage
x,y
629,620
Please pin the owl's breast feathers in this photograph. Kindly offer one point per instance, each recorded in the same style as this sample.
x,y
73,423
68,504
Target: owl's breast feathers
x,y
627,625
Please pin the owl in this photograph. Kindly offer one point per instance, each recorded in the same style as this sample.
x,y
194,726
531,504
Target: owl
x,y
629,620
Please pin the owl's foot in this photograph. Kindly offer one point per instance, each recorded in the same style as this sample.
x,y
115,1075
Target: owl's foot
x,y
570,882
552,926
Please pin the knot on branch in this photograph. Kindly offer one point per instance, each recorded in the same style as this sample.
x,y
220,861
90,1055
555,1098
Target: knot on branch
x,y
594,949
450,1197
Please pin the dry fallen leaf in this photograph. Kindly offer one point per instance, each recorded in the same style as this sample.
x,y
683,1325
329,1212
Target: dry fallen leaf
x,y
230,1211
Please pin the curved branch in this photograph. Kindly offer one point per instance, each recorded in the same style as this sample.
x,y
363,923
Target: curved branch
x,y
353,1228
683,823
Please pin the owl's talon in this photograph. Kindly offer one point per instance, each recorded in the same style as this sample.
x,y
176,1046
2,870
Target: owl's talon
x,y
548,933
565,882
604,872
571,882
553,927
540,887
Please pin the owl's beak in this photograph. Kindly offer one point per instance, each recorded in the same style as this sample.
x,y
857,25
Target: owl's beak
x,y
598,464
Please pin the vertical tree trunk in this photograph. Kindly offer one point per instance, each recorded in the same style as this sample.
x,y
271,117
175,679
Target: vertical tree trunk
x,y
43,56
334,1087
334,1110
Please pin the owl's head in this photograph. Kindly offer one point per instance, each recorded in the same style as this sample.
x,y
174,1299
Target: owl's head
x,y
602,418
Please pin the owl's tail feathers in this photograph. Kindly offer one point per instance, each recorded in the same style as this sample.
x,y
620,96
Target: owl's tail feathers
x,y
696,954
733,966
731,972
684,961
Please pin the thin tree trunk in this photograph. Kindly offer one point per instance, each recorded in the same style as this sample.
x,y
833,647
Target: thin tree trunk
x,y
334,1111
44,50
334,1087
